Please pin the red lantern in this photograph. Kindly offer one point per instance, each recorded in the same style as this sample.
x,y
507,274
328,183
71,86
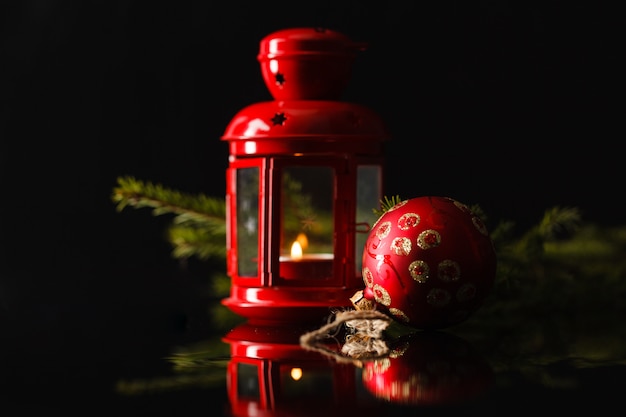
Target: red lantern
x,y
305,171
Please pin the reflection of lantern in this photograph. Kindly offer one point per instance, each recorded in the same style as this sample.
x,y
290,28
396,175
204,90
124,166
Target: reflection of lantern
x,y
269,374
431,368
305,172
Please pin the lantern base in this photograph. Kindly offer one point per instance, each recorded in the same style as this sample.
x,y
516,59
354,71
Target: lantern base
x,y
278,341
287,305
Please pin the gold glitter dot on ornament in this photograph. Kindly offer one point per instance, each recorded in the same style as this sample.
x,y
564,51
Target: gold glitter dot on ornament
x,y
408,220
428,239
480,226
401,246
462,207
381,295
399,314
419,271
438,297
449,271
383,230
368,278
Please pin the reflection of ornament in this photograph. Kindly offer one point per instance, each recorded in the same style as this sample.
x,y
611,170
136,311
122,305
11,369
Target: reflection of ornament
x,y
430,368
429,262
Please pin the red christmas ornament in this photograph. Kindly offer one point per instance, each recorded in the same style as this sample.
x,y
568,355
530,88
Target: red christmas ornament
x,y
429,262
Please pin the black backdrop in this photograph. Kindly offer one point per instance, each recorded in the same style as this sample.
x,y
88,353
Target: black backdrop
x,y
516,106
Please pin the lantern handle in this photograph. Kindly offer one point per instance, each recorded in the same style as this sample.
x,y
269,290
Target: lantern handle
x,y
362,227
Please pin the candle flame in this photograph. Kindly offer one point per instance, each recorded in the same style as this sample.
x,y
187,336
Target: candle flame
x,y
302,240
296,250
296,373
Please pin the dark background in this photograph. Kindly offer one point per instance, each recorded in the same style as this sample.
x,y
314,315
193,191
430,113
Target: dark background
x,y
516,106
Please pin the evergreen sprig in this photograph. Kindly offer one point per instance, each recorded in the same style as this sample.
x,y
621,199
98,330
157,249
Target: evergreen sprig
x,y
386,204
198,226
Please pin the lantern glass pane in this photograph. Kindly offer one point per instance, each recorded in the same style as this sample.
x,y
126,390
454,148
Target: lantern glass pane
x,y
248,221
308,385
368,196
307,222
248,382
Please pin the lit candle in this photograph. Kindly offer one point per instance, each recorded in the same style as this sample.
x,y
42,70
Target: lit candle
x,y
300,265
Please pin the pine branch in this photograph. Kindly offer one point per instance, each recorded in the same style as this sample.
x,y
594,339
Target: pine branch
x,y
201,242
516,255
386,204
199,224
194,208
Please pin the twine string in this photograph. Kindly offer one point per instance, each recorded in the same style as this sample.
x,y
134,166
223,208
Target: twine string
x,y
364,339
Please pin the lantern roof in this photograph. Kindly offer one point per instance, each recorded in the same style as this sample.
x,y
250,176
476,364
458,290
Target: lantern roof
x,y
306,119
307,41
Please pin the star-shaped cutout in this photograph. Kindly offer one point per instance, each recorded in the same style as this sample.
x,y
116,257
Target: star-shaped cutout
x,y
279,119
280,78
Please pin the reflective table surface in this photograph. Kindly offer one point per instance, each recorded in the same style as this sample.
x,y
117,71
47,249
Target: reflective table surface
x,y
164,345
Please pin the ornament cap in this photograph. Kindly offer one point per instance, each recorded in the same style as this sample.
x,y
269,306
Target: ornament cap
x,y
361,302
